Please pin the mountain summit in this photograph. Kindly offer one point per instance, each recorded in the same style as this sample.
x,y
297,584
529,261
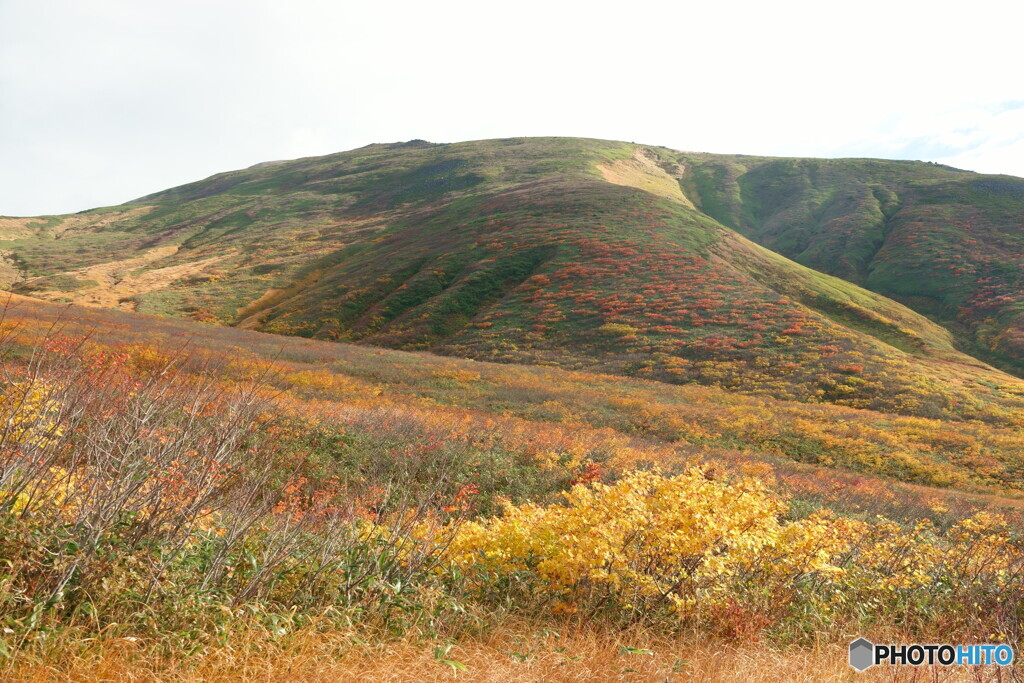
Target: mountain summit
x,y
759,275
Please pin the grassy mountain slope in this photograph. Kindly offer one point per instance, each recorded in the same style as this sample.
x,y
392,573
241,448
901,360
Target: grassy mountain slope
x,y
947,243
578,253
211,501
198,500
569,416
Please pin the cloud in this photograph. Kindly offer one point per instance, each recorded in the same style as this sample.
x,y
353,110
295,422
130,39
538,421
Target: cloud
x,y
105,101
978,137
997,145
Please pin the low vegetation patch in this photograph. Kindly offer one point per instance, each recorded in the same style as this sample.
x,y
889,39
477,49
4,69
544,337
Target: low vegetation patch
x,y
157,497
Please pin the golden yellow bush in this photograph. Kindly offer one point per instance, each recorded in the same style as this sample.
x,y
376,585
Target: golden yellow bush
x,y
676,538
29,409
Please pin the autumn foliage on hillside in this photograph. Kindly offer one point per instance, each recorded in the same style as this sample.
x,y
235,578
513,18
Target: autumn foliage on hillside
x,y
202,497
945,242
522,251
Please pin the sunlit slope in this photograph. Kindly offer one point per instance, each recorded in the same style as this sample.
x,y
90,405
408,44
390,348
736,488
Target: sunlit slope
x,y
946,242
576,253
567,417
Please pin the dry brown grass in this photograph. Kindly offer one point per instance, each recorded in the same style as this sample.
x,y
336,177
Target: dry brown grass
x,y
504,655
12,228
644,173
117,281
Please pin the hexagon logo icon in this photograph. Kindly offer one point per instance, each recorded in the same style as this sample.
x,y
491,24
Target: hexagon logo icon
x,y
862,654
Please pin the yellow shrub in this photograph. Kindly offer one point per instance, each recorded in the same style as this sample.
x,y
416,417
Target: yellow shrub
x,y
617,330
29,409
679,538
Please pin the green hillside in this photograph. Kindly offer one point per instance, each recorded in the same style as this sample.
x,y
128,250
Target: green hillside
x,y
575,253
947,243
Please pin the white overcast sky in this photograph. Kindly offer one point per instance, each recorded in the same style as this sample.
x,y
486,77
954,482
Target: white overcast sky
x,y
102,101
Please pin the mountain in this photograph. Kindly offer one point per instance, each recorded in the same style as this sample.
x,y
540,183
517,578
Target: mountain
x,y
583,254
945,242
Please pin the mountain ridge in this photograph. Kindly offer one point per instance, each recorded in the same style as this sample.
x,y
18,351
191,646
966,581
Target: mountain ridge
x,y
574,252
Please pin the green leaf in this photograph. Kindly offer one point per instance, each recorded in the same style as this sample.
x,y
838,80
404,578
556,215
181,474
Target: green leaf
x,y
456,666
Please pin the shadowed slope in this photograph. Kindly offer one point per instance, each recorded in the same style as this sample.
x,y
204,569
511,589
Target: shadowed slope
x,y
946,242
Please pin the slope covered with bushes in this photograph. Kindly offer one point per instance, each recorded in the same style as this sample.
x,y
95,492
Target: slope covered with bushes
x,y
946,242
246,498
580,254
